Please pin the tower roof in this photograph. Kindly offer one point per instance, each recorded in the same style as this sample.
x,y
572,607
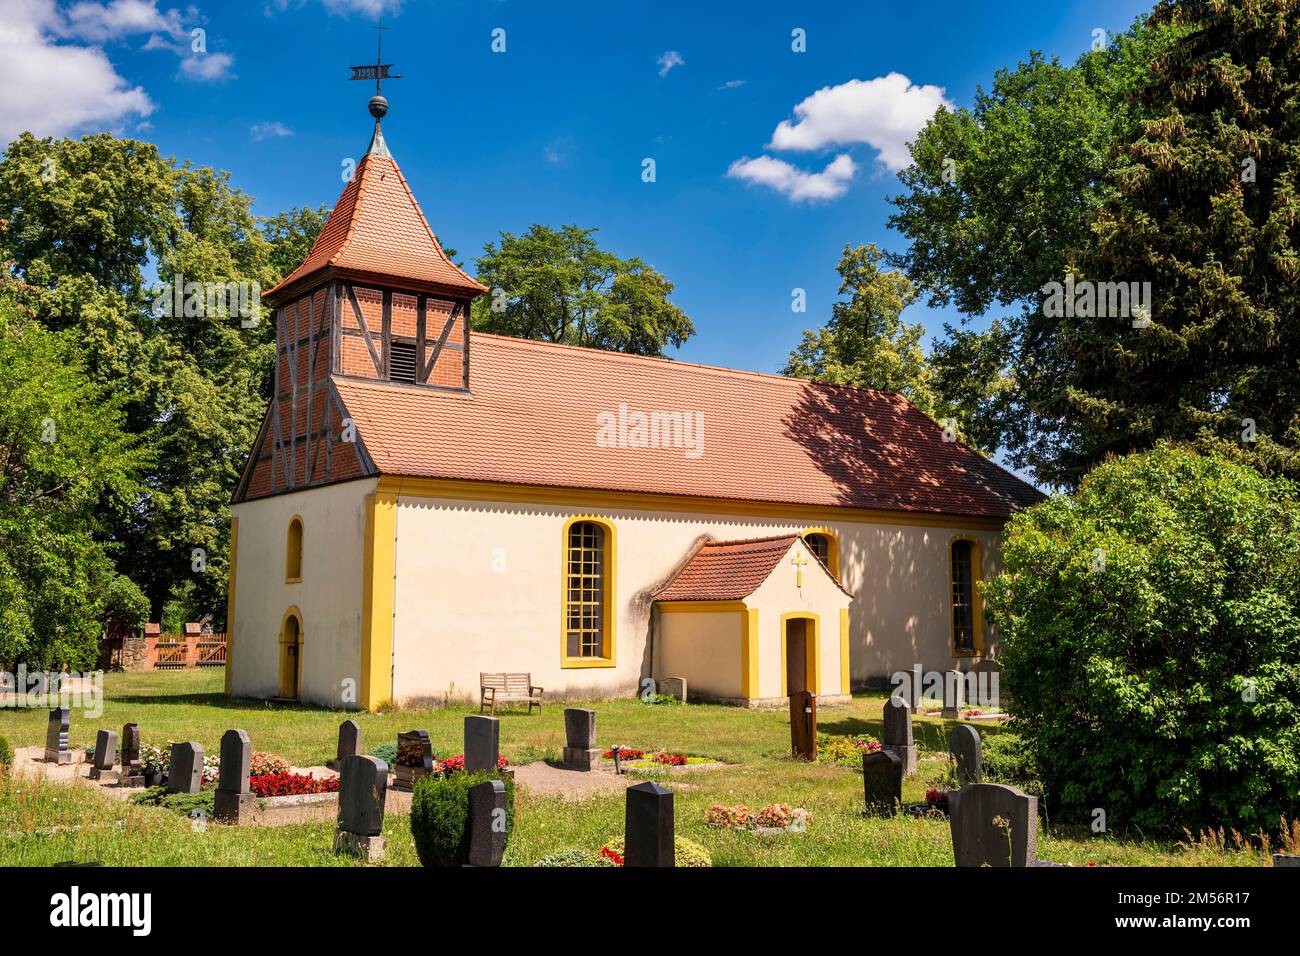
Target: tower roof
x,y
376,230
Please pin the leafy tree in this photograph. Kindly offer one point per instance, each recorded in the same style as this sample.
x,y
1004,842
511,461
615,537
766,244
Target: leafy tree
x,y
290,236
559,286
63,451
866,343
1150,627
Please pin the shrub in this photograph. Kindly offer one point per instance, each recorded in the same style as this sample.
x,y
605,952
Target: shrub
x,y
440,816
574,858
385,752
291,784
685,852
1150,627
845,751
1008,759
155,759
183,803
6,753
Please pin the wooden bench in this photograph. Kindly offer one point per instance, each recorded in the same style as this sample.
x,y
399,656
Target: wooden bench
x,y
508,689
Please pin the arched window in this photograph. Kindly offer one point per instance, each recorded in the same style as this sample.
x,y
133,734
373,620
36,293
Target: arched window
x,y
293,552
967,623
826,545
588,594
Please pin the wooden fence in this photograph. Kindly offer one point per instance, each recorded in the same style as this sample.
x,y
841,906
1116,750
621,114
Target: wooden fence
x,y
164,652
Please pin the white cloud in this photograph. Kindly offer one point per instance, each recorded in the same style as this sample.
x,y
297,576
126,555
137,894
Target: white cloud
x,y
53,89
119,18
732,84
371,8
271,129
207,67
669,60
885,113
795,183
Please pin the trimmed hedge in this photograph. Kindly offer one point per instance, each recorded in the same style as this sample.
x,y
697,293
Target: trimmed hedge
x,y
440,816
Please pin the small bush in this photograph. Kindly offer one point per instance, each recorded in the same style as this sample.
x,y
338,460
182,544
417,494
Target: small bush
x,y
385,752
845,751
440,816
1008,760
262,764
567,858
182,803
6,753
685,852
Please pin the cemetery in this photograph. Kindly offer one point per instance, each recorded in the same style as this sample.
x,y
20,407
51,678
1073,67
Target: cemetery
x,y
244,783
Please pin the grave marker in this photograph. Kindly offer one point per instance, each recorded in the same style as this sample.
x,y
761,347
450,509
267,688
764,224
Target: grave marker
x,y
882,783
185,772
993,825
414,759
580,751
648,832
964,746
233,803
487,823
56,737
105,753
363,789
897,735
132,773
674,687
803,725
482,743
349,741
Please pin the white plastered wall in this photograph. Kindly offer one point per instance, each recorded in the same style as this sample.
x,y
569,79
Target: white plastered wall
x,y
705,648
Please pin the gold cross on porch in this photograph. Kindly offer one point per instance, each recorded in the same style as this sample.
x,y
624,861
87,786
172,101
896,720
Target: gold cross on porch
x,y
799,562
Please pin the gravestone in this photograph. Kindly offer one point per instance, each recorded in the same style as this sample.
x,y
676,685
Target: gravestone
x,y
105,753
482,743
674,687
882,783
988,684
803,725
648,830
132,773
580,751
1286,859
487,823
233,803
363,788
185,772
349,741
56,737
993,825
897,737
964,747
954,694
414,759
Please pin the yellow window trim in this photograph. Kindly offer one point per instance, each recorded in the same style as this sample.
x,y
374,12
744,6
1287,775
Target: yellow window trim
x,y
377,601
609,617
289,551
977,600
230,596
833,553
812,651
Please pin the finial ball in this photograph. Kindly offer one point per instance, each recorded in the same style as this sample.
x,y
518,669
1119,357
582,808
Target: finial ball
x,y
378,107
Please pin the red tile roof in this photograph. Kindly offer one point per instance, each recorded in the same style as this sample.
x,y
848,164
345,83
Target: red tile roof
x,y
376,227
728,570
531,417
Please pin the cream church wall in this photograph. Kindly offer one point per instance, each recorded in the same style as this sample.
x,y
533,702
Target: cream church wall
x,y
704,645
478,587
328,598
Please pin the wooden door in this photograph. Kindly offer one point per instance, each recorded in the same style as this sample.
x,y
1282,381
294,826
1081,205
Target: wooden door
x,y
290,665
796,655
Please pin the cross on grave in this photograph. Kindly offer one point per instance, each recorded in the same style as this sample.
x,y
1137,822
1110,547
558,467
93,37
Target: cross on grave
x,y
799,562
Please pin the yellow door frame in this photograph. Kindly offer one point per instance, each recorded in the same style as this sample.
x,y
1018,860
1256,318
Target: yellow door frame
x,y
296,616
812,651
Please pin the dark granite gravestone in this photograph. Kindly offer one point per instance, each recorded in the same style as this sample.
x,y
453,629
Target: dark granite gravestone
x,y
105,753
580,751
185,769
56,737
482,743
487,823
363,789
964,746
132,773
993,825
648,829
1286,859
349,741
233,803
897,737
414,759
803,725
882,783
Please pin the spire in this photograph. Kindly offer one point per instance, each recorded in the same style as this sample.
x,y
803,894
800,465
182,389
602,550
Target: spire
x,y
378,71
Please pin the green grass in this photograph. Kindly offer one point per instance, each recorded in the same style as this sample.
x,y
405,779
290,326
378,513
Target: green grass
x,y
46,823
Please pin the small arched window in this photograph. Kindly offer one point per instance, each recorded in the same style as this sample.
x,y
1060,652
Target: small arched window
x,y
588,594
826,546
963,567
293,552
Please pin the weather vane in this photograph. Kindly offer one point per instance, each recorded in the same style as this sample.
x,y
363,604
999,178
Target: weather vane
x,y
378,71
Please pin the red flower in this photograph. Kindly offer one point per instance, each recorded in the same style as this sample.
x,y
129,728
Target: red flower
x,y
625,753
936,796
672,760
609,854
291,784
453,764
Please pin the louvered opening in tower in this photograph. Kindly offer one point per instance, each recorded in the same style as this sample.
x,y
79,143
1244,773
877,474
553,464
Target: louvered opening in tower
x,y
401,362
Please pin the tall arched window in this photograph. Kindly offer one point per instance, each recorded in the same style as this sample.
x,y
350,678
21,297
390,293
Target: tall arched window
x,y
826,545
964,571
588,594
293,552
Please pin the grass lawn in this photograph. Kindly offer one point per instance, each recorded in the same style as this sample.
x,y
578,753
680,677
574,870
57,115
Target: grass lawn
x,y
46,823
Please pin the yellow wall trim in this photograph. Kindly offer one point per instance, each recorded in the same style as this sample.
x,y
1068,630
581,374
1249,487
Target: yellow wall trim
x,y
293,552
580,498
230,598
812,651
377,600
295,615
699,607
610,605
748,651
833,554
844,650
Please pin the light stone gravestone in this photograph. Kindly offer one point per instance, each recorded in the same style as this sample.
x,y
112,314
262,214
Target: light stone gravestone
x,y
993,825
185,770
105,753
132,773
56,737
674,687
363,789
414,759
882,783
580,750
487,823
233,803
349,741
964,746
897,736
482,743
648,829
954,694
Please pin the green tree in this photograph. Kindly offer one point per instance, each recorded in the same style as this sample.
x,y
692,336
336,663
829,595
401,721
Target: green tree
x,y
290,236
1150,631
559,286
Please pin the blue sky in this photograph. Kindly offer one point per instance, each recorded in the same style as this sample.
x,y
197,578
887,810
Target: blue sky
x,y
555,129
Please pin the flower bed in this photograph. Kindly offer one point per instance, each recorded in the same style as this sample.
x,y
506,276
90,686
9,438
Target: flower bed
x,y
625,753
262,764
773,818
845,751
291,784
631,757
457,763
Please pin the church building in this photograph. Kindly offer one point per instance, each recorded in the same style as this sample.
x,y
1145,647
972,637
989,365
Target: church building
x,y
425,503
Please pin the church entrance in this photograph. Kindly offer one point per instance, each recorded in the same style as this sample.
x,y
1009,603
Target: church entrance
x,y
796,655
290,655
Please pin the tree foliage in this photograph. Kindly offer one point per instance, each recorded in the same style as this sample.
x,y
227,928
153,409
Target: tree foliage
x,y
560,286
1151,641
